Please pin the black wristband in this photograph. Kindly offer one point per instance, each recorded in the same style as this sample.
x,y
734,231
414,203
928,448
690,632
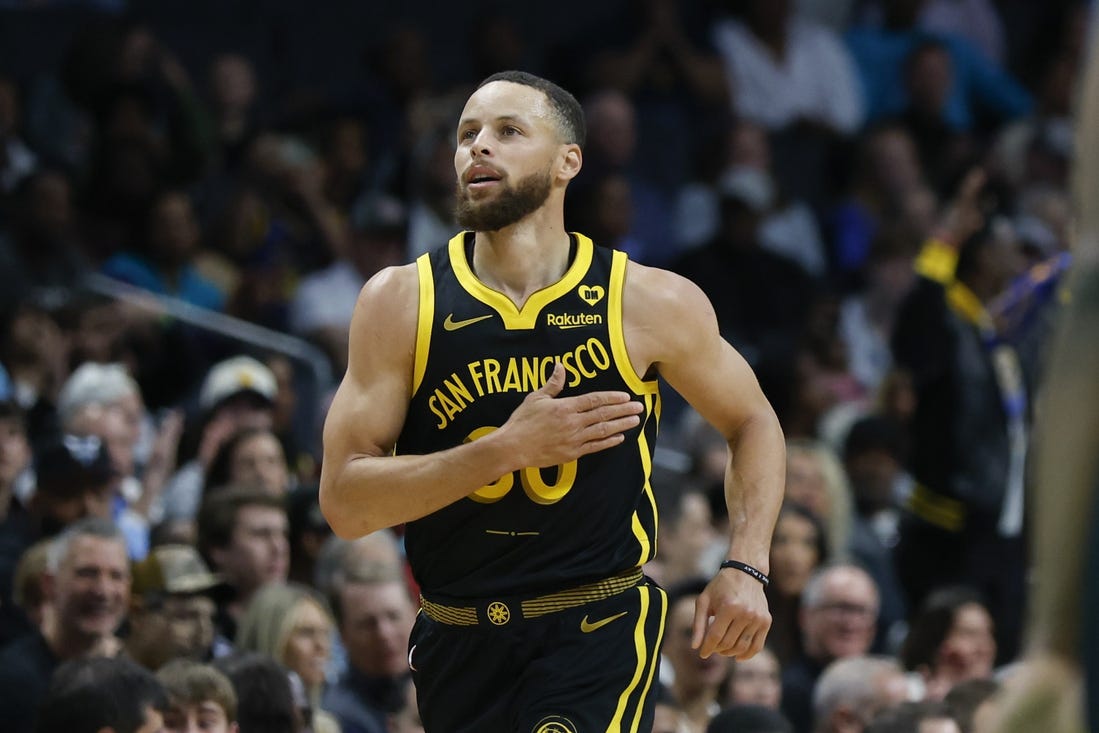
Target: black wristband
x,y
746,568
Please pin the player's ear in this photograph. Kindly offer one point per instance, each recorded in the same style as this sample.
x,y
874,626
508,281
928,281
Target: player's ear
x,y
570,162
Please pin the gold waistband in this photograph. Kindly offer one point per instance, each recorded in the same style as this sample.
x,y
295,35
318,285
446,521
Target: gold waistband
x,y
498,612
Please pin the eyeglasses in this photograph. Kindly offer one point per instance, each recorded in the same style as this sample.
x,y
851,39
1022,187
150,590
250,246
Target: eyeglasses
x,y
855,610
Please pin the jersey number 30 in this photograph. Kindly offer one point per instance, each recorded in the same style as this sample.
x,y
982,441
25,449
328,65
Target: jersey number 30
x,y
530,478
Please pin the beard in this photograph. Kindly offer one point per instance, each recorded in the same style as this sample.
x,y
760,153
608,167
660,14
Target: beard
x,y
512,203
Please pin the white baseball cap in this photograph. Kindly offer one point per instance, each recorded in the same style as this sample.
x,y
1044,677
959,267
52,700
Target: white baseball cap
x,y
234,376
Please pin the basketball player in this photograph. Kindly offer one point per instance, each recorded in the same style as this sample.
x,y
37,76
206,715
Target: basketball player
x,y
501,398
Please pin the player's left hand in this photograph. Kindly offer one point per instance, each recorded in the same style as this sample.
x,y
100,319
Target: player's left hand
x,y
731,616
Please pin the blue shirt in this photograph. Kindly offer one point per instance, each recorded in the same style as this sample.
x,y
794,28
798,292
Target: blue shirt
x,y
191,286
880,56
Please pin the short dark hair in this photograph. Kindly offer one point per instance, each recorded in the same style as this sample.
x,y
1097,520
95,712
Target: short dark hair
x,y
569,113
265,700
217,517
86,695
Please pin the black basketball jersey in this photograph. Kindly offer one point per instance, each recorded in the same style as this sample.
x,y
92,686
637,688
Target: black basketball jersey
x,y
477,357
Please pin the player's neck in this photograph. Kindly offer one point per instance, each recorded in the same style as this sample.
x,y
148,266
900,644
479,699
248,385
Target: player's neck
x,y
523,258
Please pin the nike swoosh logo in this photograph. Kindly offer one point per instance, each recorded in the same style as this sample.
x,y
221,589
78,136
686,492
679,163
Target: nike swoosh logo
x,y
452,325
410,651
587,627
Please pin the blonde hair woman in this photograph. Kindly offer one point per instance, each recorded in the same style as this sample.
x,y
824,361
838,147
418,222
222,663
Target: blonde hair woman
x,y
815,478
292,624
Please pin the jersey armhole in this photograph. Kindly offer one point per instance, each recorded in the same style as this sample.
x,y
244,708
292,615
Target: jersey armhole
x,y
424,319
615,327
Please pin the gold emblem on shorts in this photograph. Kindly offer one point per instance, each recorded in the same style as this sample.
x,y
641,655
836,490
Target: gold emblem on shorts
x,y
554,724
498,613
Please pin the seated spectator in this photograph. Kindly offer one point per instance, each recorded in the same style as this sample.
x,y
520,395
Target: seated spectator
x,y
89,582
291,623
852,692
756,681
172,608
981,87
242,533
15,454
200,698
101,695
950,640
971,701
749,719
166,264
838,619
236,393
74,480
265,699
324,301
697,683
251,457
784,70
798,550
375,614
407,719
925,716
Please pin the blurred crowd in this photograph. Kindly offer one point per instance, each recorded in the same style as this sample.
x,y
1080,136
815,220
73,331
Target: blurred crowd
x,y
874,194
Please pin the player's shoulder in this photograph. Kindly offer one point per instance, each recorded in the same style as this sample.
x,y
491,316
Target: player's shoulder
x,y
661,289
393,283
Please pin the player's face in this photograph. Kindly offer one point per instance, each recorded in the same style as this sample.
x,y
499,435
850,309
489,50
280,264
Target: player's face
x,y
508,147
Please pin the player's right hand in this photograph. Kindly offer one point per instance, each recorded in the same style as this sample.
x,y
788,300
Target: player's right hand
x,y
547,430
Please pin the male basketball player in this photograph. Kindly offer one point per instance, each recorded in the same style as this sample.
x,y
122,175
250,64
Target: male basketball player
x,y
501,398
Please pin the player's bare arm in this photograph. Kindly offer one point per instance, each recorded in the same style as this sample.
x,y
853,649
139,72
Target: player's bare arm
x,y
364,487
670,324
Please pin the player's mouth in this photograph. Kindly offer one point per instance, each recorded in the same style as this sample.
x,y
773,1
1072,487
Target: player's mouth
x,y
480,177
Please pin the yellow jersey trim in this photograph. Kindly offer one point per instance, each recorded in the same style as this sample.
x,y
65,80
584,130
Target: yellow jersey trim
x,y
618,337
648,544
642,657
663,599
513,317
424,319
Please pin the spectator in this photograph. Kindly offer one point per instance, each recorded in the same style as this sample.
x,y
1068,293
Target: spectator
x,y
971,701
950,641
838,620
407,719
265,700
798,549
74,480
18,160
165,263
309,531
964,519
853,691
749,719
785,71
756,681
42,261
687,537
200,698
30,594
291,623
925,716
242,533
172,608
816,480
324,300
100,695
251,457
89,578
879,52
697,681
15,454
236,393
375,614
